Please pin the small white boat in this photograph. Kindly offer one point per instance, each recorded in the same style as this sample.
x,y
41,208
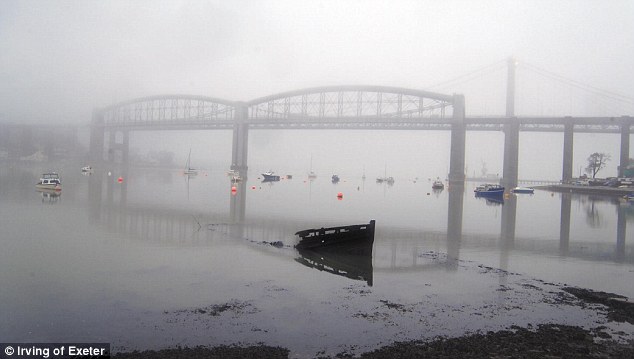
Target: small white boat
x,y
50,181
86,169
523,190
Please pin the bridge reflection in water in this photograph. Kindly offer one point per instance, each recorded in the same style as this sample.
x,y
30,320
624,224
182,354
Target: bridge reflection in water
x,y
395,249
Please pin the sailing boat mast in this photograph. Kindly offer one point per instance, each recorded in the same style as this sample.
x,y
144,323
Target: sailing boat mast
x,y
311,174
189,158
188,169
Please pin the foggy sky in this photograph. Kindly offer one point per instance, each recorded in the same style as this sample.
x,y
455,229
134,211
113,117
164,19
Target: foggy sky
x,y
61,59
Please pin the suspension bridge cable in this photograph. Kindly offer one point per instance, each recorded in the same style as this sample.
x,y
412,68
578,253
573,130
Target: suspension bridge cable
x,y
471,75
573,83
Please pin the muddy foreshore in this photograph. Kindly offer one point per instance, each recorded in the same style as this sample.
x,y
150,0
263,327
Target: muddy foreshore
x,y
543,341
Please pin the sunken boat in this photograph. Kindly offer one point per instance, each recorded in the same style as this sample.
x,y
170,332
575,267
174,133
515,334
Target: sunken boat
x,y
345,251
349,237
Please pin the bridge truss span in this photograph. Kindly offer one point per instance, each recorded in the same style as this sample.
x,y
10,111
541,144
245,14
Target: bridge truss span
x,y
170,112
349,107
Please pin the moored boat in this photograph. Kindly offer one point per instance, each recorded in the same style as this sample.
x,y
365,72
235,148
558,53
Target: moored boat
x,y
335,178
189,171
489,189
438,184
523,190
336,236
86,169
50,181
388,180
270,176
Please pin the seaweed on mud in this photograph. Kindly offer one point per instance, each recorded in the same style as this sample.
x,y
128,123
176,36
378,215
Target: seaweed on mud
x,y
618,306
217,309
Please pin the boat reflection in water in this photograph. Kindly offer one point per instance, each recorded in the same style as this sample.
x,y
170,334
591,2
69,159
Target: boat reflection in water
x,y
345,251
49,195
492,200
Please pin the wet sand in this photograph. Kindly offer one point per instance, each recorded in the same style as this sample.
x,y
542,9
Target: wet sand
x,y
544,340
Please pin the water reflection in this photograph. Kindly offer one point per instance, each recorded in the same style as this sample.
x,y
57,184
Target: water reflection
x,y
353,262
492,201
394,250
49,195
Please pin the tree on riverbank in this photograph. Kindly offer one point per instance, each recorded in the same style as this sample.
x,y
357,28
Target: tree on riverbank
x,y
596,162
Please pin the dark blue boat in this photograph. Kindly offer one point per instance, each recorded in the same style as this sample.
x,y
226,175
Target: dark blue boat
x,y
489,189
269,176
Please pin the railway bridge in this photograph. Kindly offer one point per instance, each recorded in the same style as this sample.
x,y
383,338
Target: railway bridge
x,y
343,107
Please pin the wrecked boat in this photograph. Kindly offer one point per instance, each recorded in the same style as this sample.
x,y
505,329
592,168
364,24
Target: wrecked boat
x,y
345,251
336,236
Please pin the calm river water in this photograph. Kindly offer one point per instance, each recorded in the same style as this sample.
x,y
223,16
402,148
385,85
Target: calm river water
x,y
159,260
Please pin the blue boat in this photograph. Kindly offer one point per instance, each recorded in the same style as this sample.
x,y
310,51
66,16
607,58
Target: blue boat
x,y
489,189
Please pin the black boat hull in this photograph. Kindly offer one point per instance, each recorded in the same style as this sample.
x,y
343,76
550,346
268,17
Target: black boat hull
x,y
349,236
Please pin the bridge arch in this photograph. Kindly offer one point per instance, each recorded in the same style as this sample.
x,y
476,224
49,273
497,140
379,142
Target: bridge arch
x,y
166,110
348,106
358,102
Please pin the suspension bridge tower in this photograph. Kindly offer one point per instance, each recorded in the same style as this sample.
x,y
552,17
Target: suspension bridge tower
x,y
511,130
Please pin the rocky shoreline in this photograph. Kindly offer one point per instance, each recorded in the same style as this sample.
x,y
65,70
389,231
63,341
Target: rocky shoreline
x,y
543,341
547,341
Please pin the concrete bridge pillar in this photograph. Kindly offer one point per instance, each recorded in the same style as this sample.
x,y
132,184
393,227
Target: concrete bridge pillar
x,y
511,152
240,144
96,137
511,131
118,146
568,150
625,145
125,148
458,134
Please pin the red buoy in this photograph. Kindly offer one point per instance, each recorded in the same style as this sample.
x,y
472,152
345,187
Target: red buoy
x,y
120,179
339,195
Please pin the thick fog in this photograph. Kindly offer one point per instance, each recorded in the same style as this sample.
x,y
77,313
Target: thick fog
x,y
59,60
